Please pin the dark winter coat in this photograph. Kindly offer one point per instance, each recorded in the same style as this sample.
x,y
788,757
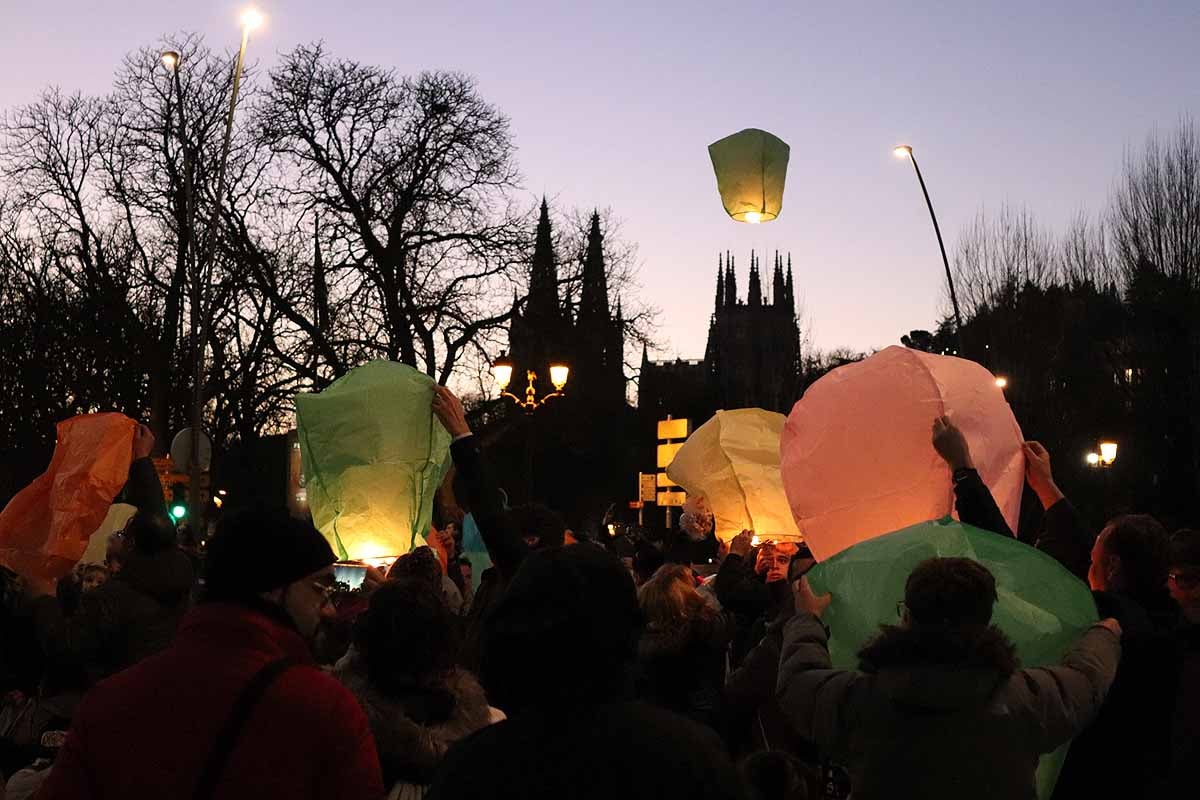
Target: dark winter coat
x,y
683,670
1184,770
146,732
412,732
505,546
753,719
132,616
1133,728
750,599
935,714
612,750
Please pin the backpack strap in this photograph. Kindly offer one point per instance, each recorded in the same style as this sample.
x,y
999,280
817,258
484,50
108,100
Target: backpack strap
x,y
227,739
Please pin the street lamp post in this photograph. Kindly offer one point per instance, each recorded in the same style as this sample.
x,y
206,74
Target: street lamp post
x,y
502,371
251,19
906,151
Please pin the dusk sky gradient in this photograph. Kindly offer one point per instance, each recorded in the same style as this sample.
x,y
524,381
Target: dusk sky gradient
x,y
614,104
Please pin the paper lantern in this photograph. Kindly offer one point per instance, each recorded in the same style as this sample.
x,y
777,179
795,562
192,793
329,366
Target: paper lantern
x,y
751,167
856,456
45,528
1041,606
733,462
373,457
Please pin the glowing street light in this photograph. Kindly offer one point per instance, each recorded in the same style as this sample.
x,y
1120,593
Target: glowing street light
x,y
252,19
1093,459
558,375
1001,382
1108,453
906,151
170,59
502,371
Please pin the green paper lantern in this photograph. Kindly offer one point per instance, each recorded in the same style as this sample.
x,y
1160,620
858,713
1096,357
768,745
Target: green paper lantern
x,y
751,168
373,456
1041,606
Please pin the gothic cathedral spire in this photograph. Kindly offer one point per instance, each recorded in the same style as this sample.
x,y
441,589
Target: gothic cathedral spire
x,y
543,307
754,299
720,283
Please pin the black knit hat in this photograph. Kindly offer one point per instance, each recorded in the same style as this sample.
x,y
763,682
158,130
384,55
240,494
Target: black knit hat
x,y
258,551
1184,549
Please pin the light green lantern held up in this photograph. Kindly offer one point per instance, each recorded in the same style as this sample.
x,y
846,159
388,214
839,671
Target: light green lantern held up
x,y
751,167
373,457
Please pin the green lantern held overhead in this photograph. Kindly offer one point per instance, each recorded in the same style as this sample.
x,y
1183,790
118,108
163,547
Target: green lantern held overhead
x,y
751,168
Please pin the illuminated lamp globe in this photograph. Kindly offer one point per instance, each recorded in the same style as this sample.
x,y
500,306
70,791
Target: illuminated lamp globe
x,y
558,375
502,370
252,19
1108,452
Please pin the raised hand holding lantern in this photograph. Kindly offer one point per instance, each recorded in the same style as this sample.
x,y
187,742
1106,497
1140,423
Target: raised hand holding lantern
x,y
856,456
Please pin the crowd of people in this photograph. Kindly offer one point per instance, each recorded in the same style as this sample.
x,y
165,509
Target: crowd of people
x,y
618,668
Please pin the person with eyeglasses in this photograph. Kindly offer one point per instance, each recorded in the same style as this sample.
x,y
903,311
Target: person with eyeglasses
x,y
1125,565
236,707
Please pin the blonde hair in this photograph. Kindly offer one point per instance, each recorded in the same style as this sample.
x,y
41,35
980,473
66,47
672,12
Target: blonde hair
x,y
669,600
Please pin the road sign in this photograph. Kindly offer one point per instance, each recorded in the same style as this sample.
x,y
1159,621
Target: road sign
x,y
672,498
674,429
666,454
647,487
636,505
181,450
665,482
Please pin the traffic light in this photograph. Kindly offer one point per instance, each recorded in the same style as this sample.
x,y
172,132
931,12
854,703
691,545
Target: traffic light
x,y
178,508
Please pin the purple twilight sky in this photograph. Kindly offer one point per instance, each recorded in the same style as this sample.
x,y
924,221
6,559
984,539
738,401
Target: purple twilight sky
x,y
614,103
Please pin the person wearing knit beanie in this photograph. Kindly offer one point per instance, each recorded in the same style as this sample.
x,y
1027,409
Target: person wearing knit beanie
x,y
270,560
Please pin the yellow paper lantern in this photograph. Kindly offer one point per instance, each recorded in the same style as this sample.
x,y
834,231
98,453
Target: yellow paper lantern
x,y
751,168
733,462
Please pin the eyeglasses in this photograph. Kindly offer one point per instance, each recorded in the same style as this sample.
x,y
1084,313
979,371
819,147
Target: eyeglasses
x,y
1184,579
325,587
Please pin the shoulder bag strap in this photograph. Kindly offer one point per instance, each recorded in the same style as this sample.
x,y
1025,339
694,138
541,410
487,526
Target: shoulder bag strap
x,y
227,738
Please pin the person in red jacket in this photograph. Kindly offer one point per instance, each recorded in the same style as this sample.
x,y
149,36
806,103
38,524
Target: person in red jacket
x,y
235,707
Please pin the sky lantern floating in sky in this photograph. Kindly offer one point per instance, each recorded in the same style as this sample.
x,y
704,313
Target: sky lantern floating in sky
x,y
733,462
856,455
373,456
751,168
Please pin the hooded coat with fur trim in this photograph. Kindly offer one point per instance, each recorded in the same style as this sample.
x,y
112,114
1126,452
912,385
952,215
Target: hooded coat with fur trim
x,y
683,669
414,731
937,713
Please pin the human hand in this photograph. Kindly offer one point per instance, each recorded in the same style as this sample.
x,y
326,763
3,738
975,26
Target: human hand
x,y
1112,624
143,442
373,578
1039,474
740,546
806,600
951,445
449,411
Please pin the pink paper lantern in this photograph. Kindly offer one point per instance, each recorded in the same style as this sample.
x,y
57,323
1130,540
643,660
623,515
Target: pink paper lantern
x,y
856,456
